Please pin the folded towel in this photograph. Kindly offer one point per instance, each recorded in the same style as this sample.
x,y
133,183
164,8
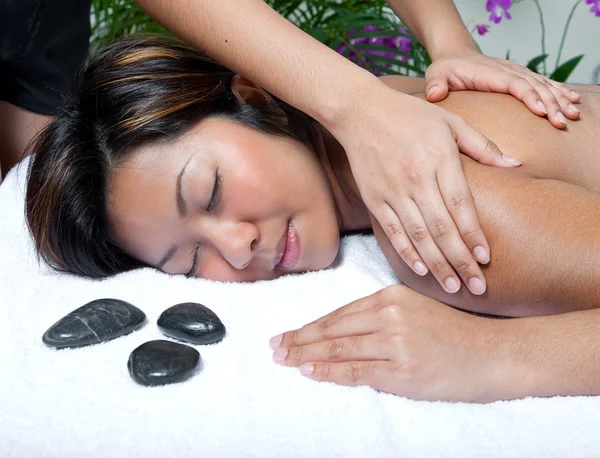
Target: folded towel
x,y
83,403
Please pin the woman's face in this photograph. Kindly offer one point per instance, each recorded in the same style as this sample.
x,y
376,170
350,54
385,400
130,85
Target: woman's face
x,y
225,202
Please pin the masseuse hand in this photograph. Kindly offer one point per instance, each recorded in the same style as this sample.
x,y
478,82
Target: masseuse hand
x,y
470,70
404,155
401,342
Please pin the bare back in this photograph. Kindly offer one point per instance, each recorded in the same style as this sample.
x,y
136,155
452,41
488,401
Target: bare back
x,y
540,219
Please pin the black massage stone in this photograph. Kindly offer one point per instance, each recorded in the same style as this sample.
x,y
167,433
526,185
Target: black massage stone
x,y
193,323
161,362
94,322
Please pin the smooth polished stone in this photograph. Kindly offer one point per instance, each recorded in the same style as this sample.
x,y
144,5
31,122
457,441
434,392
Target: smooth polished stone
x,y
160,362
192,322
94,322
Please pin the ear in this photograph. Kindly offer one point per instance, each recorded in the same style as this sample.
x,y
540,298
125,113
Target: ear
x,y
248,92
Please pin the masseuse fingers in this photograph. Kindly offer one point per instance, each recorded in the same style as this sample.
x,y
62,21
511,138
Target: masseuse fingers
x,y
459,251
400,239
352,348
451,240
541,96
562,95
556,115
574,97
477,146
518,85
423,239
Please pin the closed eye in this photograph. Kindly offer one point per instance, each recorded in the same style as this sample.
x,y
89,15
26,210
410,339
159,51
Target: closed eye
x,y
216,193
214,201
192,271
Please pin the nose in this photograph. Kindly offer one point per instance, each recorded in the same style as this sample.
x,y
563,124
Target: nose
x,y
235,241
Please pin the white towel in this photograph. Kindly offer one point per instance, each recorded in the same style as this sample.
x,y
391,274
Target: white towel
x,y
82,402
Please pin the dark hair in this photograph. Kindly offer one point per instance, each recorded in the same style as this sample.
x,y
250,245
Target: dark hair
x,y
135,91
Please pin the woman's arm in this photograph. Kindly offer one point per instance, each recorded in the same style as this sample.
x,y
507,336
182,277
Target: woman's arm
x,y
436,24
557,355
402,342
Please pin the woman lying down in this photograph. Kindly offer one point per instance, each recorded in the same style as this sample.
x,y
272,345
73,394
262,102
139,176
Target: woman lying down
x,y
165,159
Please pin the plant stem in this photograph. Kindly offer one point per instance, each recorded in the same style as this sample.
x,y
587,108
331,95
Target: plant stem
x,y
537,3
562,41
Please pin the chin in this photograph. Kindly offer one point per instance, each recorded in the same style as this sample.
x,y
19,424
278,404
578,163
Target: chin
x,y
328,256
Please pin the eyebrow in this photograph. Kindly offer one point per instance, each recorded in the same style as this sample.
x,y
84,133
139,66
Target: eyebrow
x,y
181,210
181,204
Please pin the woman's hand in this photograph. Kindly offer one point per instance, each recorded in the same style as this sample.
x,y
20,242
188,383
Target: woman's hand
x,y
470,70
404,155
402,342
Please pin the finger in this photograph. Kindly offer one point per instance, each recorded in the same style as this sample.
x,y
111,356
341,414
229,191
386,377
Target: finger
x,y
333,327
514,83
396,233
457,196
352,348
549,100
448,240
563,95
351,373
423,241
436,86
573,96
478,146
474,247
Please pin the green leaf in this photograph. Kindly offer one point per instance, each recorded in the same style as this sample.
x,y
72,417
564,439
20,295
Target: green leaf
x,y
536,61
562,73
507,55
320,34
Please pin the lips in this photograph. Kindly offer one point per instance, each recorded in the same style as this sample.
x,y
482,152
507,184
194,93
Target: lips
x,y
288,248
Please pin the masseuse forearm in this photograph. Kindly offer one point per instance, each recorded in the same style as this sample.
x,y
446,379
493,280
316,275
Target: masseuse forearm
x,y
252,39
553,355
436,24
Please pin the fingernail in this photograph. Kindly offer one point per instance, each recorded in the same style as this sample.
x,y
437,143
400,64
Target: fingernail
x,y
275,341
511,160
574,108
542,107
476,286
452,285
481,254
307,369
280,354
420,268
561,117
576,94
431,90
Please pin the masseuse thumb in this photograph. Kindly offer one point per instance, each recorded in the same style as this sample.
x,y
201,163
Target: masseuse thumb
x,y
479,147
436,85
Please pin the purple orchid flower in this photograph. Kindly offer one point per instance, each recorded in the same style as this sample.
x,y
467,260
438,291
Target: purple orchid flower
x,y
498,9
482,29
400,43
595,6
